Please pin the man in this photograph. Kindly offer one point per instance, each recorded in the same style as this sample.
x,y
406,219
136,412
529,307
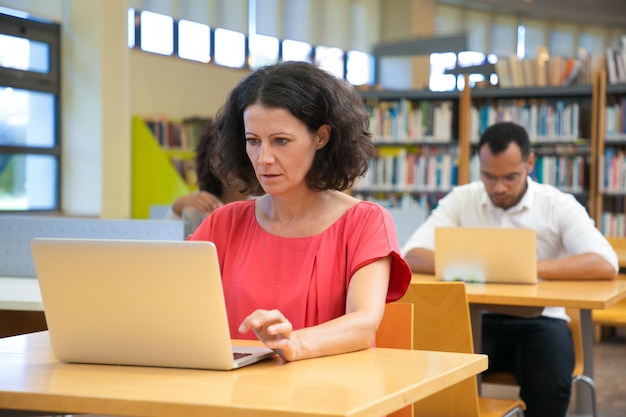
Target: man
x,y
539,350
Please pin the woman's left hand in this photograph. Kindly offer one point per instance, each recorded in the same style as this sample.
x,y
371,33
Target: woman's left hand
x,y
273,329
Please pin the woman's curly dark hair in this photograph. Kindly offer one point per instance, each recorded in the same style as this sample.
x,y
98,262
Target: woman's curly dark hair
x,y
315,97
207,180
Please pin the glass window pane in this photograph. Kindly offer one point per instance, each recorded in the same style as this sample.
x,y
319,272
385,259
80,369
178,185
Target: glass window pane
x,y
504,36
24,54
26,118
592,41
330,59
263,50
296,51
28,182
157,33
561,41
439,81
194,41
535,37
131,27
360,68
230,48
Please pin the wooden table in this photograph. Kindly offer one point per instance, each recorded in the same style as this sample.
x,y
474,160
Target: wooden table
x,y
584,295
372,382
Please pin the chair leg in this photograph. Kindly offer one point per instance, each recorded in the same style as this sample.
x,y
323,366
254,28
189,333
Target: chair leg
x,y
592,391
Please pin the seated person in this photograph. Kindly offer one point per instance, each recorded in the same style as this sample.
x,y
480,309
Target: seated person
x,y
538,350
306,268
212,192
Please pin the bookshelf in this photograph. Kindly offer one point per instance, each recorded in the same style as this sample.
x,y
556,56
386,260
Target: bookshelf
x,y
560,124
422,144
560,120
163,154
611,196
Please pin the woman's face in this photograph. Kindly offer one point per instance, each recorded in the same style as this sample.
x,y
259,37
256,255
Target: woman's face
x,y
280,147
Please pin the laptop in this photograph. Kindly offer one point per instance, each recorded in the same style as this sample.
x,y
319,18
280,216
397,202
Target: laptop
x,y
137,302
486,255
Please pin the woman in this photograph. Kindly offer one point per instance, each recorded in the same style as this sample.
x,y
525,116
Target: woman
x,y
305,266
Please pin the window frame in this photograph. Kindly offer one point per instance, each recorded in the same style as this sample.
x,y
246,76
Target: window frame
x,y
50,34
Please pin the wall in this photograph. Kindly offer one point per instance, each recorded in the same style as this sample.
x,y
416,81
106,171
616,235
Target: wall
x,y
179,88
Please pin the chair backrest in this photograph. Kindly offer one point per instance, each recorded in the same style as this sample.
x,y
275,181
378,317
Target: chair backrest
x,y
396,328
442,322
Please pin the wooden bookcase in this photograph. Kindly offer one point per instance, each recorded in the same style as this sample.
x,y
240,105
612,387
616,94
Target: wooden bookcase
x,y
567,155
422,144
611,150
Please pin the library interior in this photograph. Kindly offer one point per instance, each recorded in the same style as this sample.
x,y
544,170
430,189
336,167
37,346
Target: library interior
x,y
103,104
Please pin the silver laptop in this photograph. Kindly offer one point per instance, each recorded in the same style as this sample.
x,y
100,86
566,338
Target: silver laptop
x,y
484,255
137,302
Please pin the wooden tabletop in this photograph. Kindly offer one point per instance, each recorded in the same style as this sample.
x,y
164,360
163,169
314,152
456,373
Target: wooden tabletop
x,y
368,383
593,294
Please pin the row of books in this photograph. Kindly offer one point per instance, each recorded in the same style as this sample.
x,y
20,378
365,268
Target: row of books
x,y
615,115
406,120
177,134
612,169
548,71
411,171
429,170
544,120
613,224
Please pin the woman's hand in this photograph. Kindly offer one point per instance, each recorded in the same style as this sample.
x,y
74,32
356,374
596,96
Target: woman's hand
x,y
273,329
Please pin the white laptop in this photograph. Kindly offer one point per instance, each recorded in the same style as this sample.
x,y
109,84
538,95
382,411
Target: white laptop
x,y
137,302
484,255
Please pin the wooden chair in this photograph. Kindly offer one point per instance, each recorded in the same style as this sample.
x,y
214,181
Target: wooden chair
x,y
578,375
396,331
614,316
442,323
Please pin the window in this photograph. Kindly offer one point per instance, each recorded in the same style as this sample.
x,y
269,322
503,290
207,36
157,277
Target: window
x,y
360,68
296,51
330,59
230,48
29,114
157,33
194,41
263,50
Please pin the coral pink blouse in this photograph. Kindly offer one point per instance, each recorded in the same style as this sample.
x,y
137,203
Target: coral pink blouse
x,y
306,278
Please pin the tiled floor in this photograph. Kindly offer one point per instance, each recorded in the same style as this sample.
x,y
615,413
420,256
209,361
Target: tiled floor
x,y
609,375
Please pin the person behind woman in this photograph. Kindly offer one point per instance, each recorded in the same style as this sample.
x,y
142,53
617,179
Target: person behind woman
x,y
212,192
305,267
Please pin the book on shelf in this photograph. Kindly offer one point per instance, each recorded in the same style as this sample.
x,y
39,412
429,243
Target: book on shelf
x,y
177,133
410,121
550,71
542,119
414,169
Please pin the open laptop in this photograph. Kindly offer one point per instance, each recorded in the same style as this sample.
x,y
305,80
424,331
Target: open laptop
x,y
137,302
484,255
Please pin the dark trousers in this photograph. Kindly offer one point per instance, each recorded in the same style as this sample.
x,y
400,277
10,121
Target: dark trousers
x,y
540,352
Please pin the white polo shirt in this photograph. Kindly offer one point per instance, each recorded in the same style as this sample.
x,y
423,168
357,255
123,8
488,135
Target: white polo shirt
x,y
562,224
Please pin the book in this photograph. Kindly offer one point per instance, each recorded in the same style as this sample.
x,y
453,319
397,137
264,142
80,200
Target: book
x,y
504,73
